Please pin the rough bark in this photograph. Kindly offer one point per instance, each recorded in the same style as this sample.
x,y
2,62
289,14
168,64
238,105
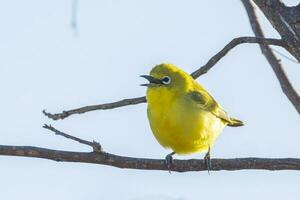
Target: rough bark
x,y
103,158
285,84
286,20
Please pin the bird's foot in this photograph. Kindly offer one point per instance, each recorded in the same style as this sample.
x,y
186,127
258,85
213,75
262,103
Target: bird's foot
x,y
207,161
169,161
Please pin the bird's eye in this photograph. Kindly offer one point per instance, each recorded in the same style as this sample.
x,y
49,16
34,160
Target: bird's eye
x,y
166,80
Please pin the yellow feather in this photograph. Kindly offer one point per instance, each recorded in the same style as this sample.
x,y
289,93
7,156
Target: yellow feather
x,y
182,114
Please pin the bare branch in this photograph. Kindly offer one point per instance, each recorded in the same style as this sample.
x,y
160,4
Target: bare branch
x,y
204,69
95,145
285,20
285,84
103,158
97,156
233,43
117,104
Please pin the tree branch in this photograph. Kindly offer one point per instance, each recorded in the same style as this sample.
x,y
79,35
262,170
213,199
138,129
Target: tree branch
x,y
95,145
233,43
106,106
151,164
202,70
98,156
283,20
285,84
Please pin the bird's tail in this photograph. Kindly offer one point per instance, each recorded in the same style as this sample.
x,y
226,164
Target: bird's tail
x,y
235,122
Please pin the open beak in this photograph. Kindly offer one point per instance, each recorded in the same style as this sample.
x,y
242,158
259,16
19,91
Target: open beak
x,y
152,81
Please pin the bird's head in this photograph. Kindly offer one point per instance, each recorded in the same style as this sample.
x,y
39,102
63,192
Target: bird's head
x,y
167,76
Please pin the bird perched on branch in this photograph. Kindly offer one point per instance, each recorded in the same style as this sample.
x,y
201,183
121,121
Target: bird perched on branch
x,y
183,116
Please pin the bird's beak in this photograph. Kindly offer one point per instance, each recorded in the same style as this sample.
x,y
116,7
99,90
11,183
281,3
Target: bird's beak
x,y
152,81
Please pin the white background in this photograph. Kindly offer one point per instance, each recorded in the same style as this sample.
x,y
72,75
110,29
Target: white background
x,y
44,66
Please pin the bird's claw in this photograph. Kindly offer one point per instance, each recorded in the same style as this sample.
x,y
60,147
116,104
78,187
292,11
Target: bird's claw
x,y
207,161
169,161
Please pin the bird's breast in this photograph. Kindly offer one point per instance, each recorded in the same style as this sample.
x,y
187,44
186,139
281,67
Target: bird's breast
x,y
178,124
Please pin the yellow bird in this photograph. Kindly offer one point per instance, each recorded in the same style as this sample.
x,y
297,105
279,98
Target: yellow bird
x,y
183,116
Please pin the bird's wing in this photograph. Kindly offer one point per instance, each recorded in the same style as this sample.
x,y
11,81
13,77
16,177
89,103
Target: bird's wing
x,y
207,103
203,100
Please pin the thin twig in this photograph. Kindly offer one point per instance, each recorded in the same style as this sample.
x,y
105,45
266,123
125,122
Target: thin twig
x,y
124,102
152,164
285,56
95,145
202,70
285,84
233,43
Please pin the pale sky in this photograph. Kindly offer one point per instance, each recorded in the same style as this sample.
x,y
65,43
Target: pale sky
x,y
44,66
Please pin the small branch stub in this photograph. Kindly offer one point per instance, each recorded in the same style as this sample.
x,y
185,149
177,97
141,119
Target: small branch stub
x,y
95,145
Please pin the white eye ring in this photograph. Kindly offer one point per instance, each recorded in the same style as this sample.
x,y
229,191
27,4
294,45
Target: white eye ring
x,y
166,80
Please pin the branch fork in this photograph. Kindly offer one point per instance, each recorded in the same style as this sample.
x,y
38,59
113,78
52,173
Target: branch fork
x,y
95,145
